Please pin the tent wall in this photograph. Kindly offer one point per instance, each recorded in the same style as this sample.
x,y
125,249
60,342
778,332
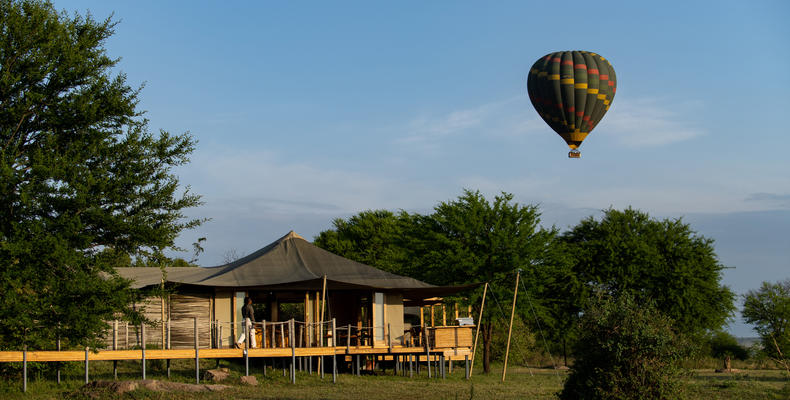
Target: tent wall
x,y
184,307
394,316
223,309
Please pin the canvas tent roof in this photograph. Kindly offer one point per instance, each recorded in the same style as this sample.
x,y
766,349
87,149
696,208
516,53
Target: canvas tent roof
x,y
289,263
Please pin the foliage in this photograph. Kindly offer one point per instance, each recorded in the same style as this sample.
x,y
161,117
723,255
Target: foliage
x,y
372,237
627,252
769,310
626,350
84,185
723,344
469,240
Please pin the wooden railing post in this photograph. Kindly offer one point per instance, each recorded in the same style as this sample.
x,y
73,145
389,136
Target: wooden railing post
x,y
293,349
334,350
24,369
197,354
142,347
114,347
246,329
86,365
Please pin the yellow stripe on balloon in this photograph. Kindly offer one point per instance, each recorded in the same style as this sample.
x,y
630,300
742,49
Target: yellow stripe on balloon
x,y
554,77
567,81
580,86
592,91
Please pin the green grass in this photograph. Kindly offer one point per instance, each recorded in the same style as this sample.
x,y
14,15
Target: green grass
x,y
521,383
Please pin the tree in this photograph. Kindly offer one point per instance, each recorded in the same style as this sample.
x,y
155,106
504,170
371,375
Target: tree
x,y
627,350
469,240
83,184
473,240
627,252
769,310
372,237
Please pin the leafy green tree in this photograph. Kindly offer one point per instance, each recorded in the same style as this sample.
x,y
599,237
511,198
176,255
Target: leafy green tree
x,y
84,185
723,344
373,237
470,240
473,240
627,350
627,252
769,310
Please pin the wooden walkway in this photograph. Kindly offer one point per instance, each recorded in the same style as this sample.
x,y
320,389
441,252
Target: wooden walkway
x,y
172,354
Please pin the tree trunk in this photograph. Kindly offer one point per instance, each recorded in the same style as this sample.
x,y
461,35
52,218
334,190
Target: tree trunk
x,y
488,330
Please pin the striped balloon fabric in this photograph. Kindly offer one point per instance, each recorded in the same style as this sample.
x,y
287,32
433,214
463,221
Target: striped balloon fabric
x,y
572,90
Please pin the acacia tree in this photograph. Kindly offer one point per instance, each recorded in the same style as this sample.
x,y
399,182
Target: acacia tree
x,y
372,237
769,310
83,183
469,240
627,252
473,240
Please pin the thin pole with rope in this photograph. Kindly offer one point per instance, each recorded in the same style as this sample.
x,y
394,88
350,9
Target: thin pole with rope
x,y
477,331
510,329
540,329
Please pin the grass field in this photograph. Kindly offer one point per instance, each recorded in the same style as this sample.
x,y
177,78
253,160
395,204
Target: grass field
x,y
522,383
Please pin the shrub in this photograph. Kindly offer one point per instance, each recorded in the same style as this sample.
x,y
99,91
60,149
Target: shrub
x,y
625,351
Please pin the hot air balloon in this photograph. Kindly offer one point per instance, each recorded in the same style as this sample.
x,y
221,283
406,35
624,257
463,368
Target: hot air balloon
x,y
572,90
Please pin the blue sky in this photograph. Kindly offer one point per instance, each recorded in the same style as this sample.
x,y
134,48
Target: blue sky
x,y
309,111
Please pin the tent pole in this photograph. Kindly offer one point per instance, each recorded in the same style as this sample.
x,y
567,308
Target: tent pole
x,y
510,329
477,331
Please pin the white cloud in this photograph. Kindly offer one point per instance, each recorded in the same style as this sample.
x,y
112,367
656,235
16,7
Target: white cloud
x,y
646,122
508,118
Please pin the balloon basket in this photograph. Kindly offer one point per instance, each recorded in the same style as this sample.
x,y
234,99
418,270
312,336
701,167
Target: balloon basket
x,y
574,154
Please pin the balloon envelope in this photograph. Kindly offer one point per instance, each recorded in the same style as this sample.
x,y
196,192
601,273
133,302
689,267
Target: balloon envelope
x,y
572,90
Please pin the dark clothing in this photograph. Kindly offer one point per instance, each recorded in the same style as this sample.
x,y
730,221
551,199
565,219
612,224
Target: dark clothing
x,y
248,312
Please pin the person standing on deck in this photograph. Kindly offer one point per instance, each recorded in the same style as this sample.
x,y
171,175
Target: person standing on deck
x,y
248,313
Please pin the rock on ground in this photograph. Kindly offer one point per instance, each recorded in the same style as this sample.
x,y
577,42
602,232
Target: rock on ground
x,y
120,387
216,375
249,380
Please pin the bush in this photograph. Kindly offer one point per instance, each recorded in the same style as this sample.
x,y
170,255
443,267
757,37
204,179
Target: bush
x,y
625,351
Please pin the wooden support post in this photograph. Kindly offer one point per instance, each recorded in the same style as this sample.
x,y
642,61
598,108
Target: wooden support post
x,y
510,329
24,368
126,340
469,311
114,347
477,329
411,364
58,344
422,320
334,353
197,352
142,347
389,336
441,360
348,339
428,352
466,365
444,315
456,311
433,323
358,366
293,349
86,365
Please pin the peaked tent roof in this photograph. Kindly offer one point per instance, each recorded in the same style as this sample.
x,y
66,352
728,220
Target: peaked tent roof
x,y
292,263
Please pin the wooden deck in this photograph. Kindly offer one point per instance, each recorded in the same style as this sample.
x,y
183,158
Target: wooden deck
x,y
119,355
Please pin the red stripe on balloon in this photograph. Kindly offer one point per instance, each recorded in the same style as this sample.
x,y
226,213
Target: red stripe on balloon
x,y
580,66
593,71
604,77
